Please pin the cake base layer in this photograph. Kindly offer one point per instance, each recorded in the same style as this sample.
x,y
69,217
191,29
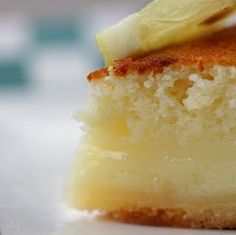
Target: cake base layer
x,y
184,185
220,218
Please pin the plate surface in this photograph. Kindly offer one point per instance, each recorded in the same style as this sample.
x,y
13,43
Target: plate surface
x,y
96,227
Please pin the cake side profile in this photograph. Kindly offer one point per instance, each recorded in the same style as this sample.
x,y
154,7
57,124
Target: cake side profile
x,y
160,137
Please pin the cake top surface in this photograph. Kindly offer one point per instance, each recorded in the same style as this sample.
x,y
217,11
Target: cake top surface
x,y
219,48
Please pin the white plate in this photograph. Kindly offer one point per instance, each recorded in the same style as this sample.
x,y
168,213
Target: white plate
x,y
96,227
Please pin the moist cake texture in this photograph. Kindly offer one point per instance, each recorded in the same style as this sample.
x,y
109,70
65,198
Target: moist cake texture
x,y
160,137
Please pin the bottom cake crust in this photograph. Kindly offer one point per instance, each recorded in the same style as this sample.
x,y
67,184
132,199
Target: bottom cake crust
x,y
180,218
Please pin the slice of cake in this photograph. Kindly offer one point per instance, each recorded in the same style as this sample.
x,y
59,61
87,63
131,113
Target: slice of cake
x,y
160,137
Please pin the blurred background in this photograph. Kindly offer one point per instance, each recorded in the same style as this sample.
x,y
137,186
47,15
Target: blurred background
x,y
47,48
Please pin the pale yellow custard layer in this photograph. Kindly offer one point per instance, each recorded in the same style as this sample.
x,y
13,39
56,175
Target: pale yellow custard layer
x,y
153,176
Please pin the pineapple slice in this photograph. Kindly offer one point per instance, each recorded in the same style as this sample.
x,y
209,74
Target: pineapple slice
x,y
162,23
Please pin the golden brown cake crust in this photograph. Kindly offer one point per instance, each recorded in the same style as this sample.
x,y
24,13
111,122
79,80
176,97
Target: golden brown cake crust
x,y
178,218
219,48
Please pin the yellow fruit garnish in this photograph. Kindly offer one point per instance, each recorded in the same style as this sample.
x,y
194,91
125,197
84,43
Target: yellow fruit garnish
x,y
162,23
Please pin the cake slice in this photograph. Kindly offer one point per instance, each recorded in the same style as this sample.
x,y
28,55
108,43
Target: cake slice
x,y
160,137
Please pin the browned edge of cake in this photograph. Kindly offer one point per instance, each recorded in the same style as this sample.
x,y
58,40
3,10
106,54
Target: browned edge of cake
x,y
178,218
217,49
